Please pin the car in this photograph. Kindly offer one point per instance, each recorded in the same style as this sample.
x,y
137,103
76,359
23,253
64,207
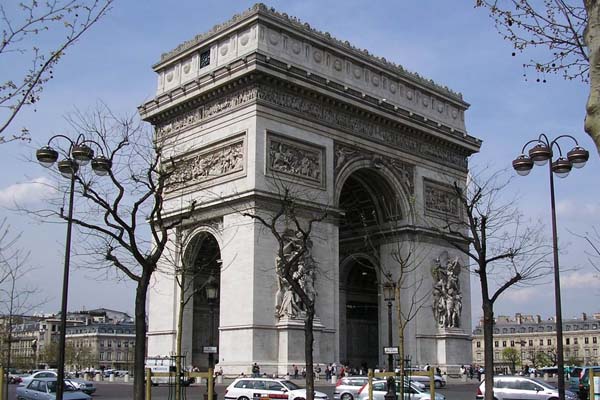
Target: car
x,y
347,387
412,390
45,389
46,373
579,379
83,385
273,388
438,381
521,387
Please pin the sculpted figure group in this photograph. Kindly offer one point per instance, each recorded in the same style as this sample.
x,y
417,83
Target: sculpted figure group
x,y
288,303
447,299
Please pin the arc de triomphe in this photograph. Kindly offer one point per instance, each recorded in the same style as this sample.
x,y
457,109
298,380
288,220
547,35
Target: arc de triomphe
x,y
264,100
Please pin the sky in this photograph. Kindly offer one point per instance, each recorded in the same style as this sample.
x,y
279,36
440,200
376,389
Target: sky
x,y
452,43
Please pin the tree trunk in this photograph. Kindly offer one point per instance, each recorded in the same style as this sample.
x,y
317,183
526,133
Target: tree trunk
x,y
488,342
140,336
178,337
401,327
592,41
308,351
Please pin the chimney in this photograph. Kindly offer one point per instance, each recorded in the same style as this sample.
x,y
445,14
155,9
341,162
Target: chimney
x,y
584,316
518,318
538,319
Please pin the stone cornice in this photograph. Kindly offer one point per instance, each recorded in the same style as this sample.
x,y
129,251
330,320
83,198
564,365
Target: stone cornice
x,y
293,24
284,96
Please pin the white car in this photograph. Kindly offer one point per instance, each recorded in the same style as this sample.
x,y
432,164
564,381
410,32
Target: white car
x,y
251,388
414,391
47,373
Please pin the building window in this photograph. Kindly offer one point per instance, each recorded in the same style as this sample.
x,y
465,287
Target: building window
x,y
101,343
119,343
478,344
126,343
575,353
109,343
587,352
541,342
496,355
101,356
504,343
568,341
109,356
586,340
549,341
595,351
531,342
512,343
575,342
594,340
119,356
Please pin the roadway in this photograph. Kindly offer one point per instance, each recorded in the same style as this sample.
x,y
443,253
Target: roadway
x,y
122,391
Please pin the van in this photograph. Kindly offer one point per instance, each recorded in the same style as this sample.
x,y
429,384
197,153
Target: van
x,y
579,380
164,365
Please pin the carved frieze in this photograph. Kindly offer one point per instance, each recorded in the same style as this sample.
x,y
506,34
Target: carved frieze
x,y
345,154
360,126
440,199
215,162
316,110
295,159
210,109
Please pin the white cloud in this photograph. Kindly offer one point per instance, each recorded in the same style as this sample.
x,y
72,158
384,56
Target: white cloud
x,y
573,209
580,280
26,192
522,295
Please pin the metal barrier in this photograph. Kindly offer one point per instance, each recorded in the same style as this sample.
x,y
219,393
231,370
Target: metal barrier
x,y
208,375
429,373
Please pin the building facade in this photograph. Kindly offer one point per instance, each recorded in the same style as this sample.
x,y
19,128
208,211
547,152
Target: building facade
x,y
264,104
95,339
534,340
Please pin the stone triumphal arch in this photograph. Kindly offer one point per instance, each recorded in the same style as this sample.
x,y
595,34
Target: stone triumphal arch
x,y
264,100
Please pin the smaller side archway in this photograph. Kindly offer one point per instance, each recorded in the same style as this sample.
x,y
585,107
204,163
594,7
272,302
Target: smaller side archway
x,y
202,266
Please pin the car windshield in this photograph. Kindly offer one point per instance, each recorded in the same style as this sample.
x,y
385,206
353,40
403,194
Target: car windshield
x,y
544,384
52,387
290,385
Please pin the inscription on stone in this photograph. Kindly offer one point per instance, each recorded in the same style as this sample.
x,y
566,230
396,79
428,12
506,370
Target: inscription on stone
x,y
212,164
295,159
440,199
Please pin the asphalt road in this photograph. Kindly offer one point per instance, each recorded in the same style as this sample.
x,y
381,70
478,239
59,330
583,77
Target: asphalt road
x,y
122,391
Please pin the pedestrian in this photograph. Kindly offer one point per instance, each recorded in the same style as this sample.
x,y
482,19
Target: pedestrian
x,y
295,367
427,367
303,372
438,371
328,373
471,372
255,370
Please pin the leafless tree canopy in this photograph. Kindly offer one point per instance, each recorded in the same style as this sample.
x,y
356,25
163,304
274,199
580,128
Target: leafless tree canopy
x,y
554,25
35,35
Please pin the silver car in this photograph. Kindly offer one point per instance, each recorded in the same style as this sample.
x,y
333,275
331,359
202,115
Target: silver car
x,y
414,391
45,389
520,387
347,387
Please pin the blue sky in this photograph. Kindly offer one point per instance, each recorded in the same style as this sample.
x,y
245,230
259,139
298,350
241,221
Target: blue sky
x,y
450,42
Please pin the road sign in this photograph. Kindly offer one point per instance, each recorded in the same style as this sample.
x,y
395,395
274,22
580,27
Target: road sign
x,y
391,350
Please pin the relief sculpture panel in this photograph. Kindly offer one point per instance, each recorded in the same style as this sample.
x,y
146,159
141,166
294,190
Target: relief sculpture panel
x,y
213,163
298,160
440,200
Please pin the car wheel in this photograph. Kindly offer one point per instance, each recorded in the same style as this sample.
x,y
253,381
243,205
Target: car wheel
x,y
346,396
243,398
553,398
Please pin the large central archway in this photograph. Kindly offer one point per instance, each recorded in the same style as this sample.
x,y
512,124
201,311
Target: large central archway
x,y
368,202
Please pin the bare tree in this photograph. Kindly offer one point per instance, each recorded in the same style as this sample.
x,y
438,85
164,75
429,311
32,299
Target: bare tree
x,y
291,224
568,31
24,31
505,250
16,297
398,265
122,214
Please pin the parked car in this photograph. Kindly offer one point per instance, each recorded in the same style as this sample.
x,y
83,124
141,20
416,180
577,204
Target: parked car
x,y
14,378
579,380
45,389
439,382
249,388
520,387
347,387
412,390
80,384
47,373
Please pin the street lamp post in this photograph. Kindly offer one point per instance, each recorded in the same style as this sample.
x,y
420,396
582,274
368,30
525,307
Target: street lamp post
x,y
212,292
79,154
389,291
539,155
